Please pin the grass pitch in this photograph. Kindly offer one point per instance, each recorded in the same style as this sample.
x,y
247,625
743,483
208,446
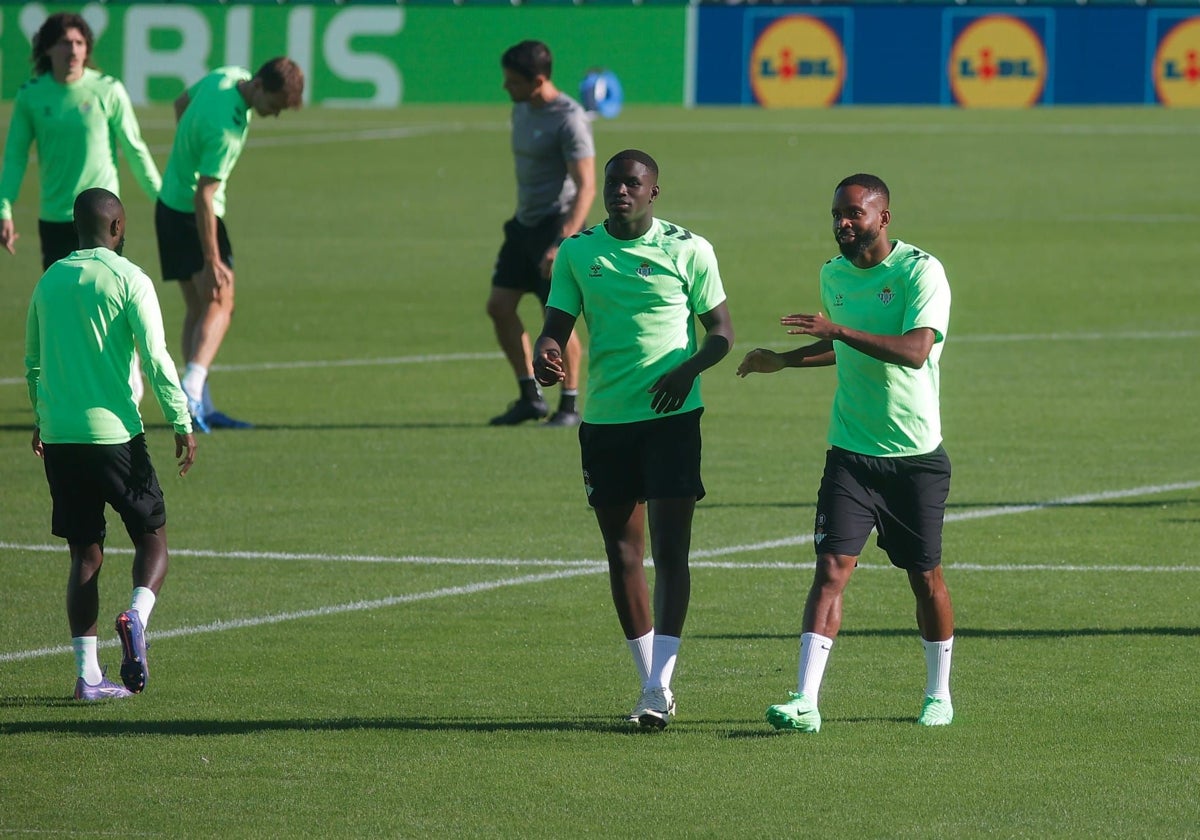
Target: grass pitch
x,y
384,618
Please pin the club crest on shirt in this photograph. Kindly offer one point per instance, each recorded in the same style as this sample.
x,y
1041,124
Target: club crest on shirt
x,y
644,270
839,299
594,271
885,296
85,107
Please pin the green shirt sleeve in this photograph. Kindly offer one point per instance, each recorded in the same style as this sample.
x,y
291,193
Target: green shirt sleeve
x,y
123,125
16,156
146,323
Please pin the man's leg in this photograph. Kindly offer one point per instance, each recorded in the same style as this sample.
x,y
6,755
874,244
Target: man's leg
x,y
822,620
149,570
514,342
935,619
205,323
83,608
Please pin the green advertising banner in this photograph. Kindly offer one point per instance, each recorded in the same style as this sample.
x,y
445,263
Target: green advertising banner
x,y
364,55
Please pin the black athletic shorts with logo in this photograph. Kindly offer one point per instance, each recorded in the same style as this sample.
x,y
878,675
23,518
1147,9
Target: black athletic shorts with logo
x,y
59,239
85,476
650,459
179,252
519,263
902,498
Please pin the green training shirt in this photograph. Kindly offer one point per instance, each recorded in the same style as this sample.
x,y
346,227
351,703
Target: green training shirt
x,y
77,128
879,408
639,298
208,140
88,312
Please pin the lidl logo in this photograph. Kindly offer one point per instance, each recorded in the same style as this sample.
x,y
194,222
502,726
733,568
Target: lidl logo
x,y
797,62
997,61
1177,66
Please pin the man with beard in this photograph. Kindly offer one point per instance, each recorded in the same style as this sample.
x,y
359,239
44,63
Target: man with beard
x,y
88,313
889,310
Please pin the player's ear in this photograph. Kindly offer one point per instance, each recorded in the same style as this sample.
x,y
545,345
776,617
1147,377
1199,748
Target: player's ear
x,y
885,217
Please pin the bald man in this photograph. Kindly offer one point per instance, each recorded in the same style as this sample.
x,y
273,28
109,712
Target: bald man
x,y
89,313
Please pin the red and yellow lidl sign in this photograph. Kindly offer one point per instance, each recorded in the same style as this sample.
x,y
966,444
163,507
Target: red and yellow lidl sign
x,y
997,61
797,62
1177,66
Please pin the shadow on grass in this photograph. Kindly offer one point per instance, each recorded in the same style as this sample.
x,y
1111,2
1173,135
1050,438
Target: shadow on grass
x,y
215,728
953,506
299,427
975,633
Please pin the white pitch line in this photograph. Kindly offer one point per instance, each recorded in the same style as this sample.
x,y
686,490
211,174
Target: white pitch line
x,y
336,609
590,567
696,555
435,358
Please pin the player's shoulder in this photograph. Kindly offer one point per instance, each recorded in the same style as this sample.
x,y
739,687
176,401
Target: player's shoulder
x,y
677,238
584,240
915,261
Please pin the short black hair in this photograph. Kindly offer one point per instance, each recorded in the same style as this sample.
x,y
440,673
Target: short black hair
x,y
635,154
94,209
870,183
528,58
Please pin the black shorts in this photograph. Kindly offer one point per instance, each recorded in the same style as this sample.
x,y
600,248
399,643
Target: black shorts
x,y
903,499
519,263
59,239
179,251
84,476
650,459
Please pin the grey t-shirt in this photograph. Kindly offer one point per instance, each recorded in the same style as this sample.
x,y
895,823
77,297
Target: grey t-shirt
x,y
543,141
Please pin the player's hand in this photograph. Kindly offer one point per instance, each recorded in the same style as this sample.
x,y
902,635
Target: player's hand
x,y
216,279
548,367
9,235
38,449
185,451
671,390
760,360
818,326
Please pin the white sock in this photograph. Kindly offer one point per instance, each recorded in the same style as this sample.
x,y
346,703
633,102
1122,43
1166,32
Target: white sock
x,y
666,650
642,649
194,376
143,602
87,664
136,383
937,668
814,654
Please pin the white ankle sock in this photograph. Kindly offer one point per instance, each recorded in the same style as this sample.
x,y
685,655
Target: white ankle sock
x,y
937,668
87,664
666,650
814,654
194,376
642,649
143,601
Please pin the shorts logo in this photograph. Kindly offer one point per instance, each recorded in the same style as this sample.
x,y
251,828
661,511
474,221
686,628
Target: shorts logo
x,y
587,483
644,270
885,297
819,531
594,271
